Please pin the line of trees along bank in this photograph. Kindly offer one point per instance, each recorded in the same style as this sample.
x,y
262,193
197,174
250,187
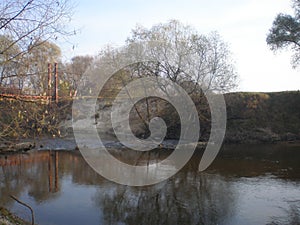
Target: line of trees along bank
x,y
29,30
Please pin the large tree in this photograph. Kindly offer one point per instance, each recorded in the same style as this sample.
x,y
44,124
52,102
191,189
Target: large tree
x,y
187,57
285,33
198,63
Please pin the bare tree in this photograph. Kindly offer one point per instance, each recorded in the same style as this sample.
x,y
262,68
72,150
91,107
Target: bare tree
x,y
28,23
186,57
35,65
198,63
74,70
29,71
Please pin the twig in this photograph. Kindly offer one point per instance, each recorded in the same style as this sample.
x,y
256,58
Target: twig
x,y
22,203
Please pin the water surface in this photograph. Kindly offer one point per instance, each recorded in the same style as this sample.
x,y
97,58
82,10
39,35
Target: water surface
x,y
258,184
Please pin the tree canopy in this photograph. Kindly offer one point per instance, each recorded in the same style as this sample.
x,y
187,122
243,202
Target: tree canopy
x,y
285,33
185,56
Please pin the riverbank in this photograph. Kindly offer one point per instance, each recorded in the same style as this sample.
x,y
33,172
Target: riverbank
x,y
7,218
251,118
69,144
263,117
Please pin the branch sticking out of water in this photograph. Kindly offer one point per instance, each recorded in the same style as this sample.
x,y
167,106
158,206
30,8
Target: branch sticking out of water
x,y
24,204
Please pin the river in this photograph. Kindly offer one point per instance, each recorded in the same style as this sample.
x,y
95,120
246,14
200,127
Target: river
x,y
246,184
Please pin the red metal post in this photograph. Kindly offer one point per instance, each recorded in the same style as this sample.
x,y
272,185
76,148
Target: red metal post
x,y
56,82
49,82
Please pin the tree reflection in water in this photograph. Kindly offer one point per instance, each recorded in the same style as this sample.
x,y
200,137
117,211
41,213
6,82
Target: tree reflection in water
x,y
187,198
47,179
184,199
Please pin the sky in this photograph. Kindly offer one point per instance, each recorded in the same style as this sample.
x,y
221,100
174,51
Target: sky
x,y
243,24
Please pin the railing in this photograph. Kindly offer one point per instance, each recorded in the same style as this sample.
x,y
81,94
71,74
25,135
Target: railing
x,y
15,93
22,97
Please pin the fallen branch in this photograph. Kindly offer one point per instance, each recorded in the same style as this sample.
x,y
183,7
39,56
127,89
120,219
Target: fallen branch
x,y
24,204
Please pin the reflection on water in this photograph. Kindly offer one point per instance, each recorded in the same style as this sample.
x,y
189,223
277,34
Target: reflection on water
x,y
245,185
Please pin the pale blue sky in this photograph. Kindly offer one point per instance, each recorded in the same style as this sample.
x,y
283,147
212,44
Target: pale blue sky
x,y
243,24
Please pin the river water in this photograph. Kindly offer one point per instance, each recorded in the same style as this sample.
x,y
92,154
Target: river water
x,y
246,184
